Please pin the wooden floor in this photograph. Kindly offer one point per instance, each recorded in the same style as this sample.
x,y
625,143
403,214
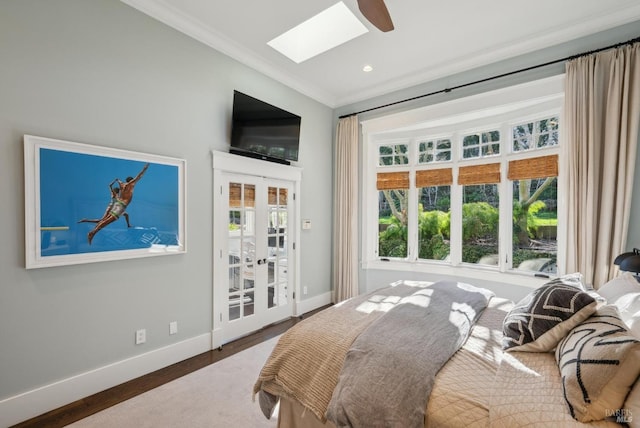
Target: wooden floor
x,y
87,406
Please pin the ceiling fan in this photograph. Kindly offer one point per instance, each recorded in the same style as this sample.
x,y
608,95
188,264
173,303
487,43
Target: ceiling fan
x,y
376,12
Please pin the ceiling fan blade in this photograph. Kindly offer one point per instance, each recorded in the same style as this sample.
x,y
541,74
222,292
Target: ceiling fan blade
x,y
376,12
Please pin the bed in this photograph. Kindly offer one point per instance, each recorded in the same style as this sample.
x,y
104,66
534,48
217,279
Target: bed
x,y
378,359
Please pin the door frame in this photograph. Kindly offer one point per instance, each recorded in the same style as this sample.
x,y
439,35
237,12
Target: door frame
x,y
222,163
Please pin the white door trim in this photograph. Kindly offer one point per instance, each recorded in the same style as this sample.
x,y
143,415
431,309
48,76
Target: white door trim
x,y
225,163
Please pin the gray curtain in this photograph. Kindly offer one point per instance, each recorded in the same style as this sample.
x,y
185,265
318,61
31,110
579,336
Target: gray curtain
x,y
345,220
600,125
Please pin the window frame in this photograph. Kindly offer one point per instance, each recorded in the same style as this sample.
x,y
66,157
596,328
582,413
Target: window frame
x,y
495,110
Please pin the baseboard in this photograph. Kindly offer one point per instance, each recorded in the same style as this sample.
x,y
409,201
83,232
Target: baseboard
x,y
33,403
312,303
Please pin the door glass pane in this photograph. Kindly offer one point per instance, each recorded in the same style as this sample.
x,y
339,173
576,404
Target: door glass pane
x,y
277,277
240,305
234,219
234,277
247,303
234,307
283,197
271,264
242,243
249,199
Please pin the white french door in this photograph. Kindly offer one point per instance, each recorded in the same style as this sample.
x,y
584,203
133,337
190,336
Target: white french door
x,y
254,253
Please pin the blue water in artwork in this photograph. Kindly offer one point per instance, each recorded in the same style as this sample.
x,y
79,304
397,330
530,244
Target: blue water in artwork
x,y
75,187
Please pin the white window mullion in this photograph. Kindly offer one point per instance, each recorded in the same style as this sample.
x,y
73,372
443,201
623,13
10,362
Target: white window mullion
x,y
455,231
506,222
412,219
506,201
412,209
456,221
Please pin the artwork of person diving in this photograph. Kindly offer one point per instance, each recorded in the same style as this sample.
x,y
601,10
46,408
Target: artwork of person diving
x,y
121,197
98,215
115,192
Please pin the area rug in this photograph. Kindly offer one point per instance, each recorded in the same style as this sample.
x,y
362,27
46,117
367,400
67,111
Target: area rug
x,y
218,395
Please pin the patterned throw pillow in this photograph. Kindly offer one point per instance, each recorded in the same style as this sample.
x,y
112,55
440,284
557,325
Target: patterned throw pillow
x,y
599,361
539,321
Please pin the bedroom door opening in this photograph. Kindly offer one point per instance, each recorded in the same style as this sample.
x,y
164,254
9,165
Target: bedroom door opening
x,y
254,263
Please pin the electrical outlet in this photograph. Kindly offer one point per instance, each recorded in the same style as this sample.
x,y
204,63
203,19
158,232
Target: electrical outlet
x,y
304,290
141,336
173,327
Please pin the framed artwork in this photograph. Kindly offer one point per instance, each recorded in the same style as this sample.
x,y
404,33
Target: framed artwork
x,y
86,203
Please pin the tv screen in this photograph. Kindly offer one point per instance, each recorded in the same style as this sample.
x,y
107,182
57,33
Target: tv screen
x,y
263,131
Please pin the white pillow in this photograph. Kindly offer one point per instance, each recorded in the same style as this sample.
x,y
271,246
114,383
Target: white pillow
x,y
624,293
572,279
633,322
619,286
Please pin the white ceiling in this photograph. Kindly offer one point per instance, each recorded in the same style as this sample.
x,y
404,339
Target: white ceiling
x,y
431,39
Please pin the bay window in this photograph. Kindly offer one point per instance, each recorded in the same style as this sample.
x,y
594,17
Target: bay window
x,y
476,189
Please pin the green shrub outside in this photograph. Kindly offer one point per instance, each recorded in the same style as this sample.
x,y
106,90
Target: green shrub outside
x,y
480,222
393,240
473,253
532,215
433,229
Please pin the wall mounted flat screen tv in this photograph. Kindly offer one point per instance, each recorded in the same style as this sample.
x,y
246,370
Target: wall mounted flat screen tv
x,y
263,131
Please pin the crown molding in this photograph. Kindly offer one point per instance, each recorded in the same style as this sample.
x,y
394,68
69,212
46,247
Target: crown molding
x,y
171,16
174,18
515,48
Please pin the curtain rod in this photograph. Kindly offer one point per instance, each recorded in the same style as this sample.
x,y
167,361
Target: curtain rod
x,y
533,67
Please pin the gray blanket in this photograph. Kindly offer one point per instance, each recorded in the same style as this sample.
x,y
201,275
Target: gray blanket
x,y
390,368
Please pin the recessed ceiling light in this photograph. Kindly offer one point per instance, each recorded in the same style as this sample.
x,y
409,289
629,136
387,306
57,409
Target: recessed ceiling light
x,y
326,30
367,68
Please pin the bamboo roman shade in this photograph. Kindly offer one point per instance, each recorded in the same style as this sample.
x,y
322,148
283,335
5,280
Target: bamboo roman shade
x,y
392,180
479,174
434,177
277,196
524,169
235,193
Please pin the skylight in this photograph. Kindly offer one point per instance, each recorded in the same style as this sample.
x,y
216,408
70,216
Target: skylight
x,y
326,30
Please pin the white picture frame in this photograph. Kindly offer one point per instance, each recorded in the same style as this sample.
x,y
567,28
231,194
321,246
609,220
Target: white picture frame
x,y
79,204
